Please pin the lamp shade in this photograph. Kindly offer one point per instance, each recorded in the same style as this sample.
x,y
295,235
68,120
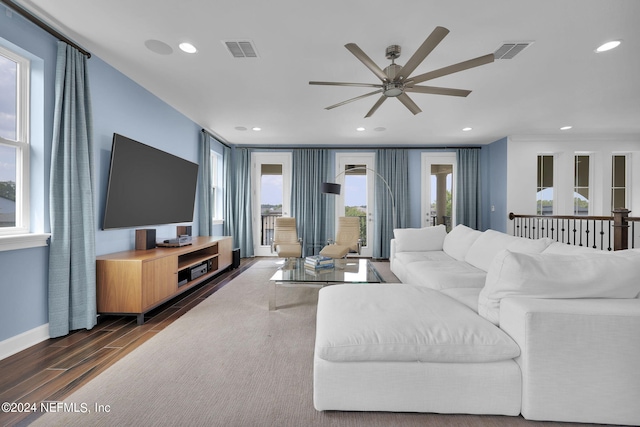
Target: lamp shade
x,y
330,188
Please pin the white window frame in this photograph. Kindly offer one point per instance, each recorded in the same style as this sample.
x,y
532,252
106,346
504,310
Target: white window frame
x,y
554,209
217,191
21,144
628,183
590,187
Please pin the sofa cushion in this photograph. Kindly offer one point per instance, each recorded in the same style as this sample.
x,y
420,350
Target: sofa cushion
x,y
459,240
443,274
406,258
592,275
419,239
387,322
485,248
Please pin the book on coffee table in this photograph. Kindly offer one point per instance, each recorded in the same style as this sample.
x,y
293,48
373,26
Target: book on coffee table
x,y
318,261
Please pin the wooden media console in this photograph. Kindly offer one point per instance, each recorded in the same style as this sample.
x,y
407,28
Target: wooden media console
x,y
134,282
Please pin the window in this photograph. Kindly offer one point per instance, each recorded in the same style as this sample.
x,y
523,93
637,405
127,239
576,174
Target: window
x,y
14,143
216,186
581,185
618,181
544,190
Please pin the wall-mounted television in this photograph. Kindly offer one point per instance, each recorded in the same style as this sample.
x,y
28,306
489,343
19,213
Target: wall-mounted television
x,y
148,186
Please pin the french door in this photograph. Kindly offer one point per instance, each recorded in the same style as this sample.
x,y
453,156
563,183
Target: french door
x,y
271,175
438,189
355,173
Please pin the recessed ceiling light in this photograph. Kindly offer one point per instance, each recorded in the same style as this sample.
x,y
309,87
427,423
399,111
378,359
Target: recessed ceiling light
x,y
187,47
380,129
608,46
467,129
241,128
360,129
256,129
566,127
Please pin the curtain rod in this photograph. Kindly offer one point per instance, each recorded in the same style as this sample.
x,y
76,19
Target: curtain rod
x,y
29,16
215,137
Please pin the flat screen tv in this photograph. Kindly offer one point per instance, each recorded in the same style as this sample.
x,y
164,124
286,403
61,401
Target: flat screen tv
x,y
148,186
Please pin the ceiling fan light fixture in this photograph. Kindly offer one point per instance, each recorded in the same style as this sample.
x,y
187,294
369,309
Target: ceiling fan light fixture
x,y
393,89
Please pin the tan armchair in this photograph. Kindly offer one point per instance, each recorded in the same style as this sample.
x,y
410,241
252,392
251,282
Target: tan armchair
x,y
285,240
347,238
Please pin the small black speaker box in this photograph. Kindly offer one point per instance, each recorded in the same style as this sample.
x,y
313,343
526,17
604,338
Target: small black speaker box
x,y
145,239
183,230
236,258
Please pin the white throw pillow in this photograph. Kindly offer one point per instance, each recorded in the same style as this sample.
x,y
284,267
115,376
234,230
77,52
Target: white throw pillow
x,y
459,240
593,275
420,239
487,246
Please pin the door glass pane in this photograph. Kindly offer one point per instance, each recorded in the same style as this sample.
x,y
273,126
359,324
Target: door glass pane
x,y
7,186
8,98
544,192
441,191
355,196
581,189
619,182
619,198
271,197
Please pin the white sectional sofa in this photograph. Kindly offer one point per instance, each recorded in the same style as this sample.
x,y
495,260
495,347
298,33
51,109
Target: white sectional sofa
x,y
486,323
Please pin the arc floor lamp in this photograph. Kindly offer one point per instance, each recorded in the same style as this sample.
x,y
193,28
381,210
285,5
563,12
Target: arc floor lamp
x,y
333,188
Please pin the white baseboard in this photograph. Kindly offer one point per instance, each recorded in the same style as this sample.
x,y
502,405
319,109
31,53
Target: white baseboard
x,y
13,345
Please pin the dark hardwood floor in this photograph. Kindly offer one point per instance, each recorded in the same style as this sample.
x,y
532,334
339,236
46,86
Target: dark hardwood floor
x,y
53,369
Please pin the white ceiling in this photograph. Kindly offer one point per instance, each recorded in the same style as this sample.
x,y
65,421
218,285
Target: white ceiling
x,y
557,81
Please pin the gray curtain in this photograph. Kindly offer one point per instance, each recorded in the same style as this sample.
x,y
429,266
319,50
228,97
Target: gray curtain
x,y
393,166
72,274
238,201
205,218
468,188
314,211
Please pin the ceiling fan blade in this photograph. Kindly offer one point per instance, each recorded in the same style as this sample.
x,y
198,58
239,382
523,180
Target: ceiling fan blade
x,y
345,84
425,49
352,99
437,90
461,66
368,62
408,102
375,106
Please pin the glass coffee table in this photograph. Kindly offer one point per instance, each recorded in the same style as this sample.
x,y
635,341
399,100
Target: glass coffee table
x,y
294,274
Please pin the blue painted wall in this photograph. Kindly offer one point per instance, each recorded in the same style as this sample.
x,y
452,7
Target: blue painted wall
x,y
119,105
122,106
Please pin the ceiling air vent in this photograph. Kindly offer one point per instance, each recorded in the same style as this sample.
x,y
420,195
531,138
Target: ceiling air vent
x,y
241,48
509,50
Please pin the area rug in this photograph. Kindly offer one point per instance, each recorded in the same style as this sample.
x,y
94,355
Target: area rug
x,y
231,362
